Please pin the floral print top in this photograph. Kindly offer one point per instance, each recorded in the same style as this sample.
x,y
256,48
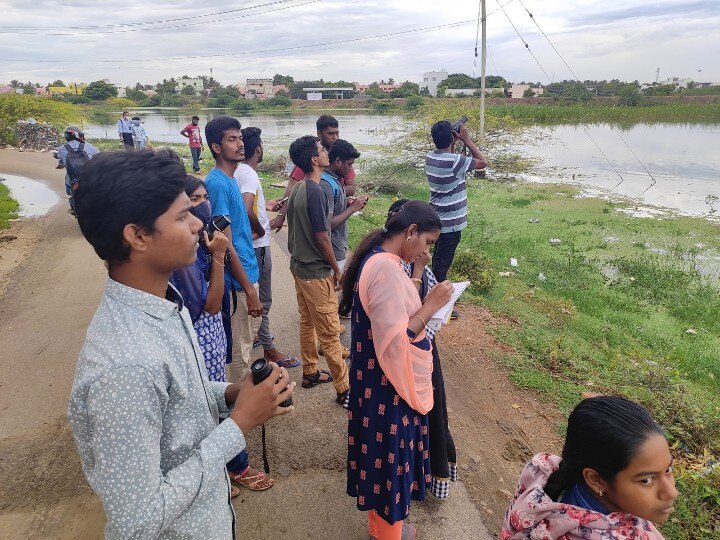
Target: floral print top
x,y
535,516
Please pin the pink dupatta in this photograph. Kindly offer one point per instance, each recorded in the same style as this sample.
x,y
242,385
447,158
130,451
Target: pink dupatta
x,y
389,299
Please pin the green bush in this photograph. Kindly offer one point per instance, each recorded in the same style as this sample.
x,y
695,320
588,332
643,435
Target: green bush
x,y
77,99
388,177
14,107
120,102
383,105
242,105
473,266
278,101
170,100
413,102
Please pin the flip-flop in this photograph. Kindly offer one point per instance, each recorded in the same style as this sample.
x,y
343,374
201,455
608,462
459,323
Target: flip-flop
x,y
288,362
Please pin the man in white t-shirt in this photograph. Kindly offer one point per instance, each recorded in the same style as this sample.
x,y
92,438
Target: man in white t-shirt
x,y
252,192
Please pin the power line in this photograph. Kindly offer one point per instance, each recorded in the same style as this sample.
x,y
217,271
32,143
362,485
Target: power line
x,y
577,79
259,51
550,79
135,27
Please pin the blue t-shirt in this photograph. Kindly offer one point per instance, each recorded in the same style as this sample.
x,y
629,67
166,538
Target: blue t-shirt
x,y
226,200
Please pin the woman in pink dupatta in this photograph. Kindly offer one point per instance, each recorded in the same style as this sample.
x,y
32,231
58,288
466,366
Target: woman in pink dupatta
x,y
390,375
613,482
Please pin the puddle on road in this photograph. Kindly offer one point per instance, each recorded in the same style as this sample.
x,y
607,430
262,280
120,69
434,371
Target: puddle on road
x,y
35,198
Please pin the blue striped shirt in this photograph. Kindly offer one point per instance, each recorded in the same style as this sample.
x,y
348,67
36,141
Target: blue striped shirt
x,y
448,191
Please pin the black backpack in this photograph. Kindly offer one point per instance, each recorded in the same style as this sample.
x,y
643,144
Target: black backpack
x,y
75,160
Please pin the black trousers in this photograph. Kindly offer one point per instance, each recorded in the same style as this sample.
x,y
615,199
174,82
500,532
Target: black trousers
x,y
444,253
128,141
442,446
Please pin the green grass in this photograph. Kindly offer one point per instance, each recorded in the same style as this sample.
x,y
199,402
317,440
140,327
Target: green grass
x,y
623,331
8,207
601,113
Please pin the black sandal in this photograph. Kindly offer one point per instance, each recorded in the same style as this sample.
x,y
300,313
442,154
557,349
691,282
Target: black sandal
x,y
310,381
343,398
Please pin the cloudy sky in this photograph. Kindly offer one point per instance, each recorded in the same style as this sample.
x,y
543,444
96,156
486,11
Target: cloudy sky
x,y
145,41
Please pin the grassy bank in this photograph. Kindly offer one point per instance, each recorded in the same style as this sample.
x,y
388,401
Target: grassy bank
x,y
8,207
617,307
591,113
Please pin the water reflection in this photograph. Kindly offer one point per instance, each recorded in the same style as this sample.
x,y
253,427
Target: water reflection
x,y
35,198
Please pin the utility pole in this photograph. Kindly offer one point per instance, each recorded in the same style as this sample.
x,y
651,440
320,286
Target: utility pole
x,y
483,61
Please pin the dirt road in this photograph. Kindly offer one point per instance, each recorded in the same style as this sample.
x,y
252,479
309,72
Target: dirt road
x,y
52,283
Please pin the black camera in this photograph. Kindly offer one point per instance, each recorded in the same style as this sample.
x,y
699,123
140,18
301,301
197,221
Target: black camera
x,y
219,223
457,125
261,370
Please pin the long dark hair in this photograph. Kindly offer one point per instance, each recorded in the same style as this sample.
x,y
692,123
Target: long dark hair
x,y
419,213
603,434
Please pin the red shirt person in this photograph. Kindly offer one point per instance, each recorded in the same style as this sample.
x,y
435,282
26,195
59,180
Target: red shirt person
x,y
328,131
194,135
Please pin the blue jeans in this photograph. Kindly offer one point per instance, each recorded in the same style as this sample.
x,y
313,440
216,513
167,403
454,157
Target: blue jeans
x,y
68,190
239,463
195,153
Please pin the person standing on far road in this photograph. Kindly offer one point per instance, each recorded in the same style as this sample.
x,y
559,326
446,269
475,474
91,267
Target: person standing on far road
x,y
315,269
124,128
448,192
192,132
142,410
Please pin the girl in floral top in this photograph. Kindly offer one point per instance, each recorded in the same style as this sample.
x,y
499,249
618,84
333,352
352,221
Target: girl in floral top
x,y
614,480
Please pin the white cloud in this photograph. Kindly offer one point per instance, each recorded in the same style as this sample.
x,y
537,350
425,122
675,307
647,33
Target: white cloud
x,y
626,39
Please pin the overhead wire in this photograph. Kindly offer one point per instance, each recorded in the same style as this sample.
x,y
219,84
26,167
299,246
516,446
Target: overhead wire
x,y
123,30
577,79
258,51
587,132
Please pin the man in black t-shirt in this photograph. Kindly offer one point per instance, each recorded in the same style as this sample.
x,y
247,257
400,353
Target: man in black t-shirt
x,y
315,269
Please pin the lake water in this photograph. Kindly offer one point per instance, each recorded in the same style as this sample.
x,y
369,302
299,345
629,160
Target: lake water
x,y
278,129
683,158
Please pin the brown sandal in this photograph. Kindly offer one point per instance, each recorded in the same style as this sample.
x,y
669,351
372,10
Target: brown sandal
x,y
253,480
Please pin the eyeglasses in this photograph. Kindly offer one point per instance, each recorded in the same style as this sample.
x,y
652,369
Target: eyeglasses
x,y
323,149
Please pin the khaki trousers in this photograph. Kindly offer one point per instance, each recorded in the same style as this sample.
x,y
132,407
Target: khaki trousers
x,y
318,307
244,329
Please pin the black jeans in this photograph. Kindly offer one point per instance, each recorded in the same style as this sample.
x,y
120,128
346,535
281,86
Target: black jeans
x,y
128,141
444,253
442,446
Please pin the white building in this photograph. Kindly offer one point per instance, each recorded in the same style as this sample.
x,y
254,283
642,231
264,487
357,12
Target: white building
x,y
196,84
517,90
431,79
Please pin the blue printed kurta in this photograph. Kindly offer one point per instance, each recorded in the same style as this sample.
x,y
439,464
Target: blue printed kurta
x,y
388,458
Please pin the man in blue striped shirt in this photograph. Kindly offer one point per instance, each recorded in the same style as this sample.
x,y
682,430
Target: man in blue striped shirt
x,y
448,192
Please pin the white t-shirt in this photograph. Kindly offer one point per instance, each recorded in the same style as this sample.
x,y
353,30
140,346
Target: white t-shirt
x,y
249,182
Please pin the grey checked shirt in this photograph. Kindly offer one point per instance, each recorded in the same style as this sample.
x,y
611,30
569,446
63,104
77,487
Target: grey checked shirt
x,y
145,419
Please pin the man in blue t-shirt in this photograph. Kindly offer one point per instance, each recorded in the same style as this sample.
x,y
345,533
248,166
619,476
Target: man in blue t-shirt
x,y
224,138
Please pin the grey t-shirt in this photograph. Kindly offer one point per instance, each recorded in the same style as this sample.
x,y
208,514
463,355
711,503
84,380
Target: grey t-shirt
x,y
307,214
336,198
